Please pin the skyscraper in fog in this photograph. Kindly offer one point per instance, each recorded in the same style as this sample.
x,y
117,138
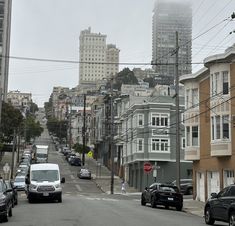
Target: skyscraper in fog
x,y
5,28
97,60
170,16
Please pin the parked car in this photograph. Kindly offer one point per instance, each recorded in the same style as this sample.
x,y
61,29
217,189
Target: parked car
x,y
162,194
75,161
221,206
69,155
84,174
14,194
5,201
186,186
19,182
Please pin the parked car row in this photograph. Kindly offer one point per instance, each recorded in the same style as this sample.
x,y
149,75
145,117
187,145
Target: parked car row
x,y
22,170
71,157
74,160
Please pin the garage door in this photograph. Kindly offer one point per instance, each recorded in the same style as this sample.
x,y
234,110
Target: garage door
x,y
228,178
200,186
213,183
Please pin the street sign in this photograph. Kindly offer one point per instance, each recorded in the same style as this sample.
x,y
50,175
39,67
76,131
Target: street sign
x,y
90,154
148,167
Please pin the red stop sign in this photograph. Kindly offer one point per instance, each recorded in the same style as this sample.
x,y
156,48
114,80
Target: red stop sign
x,y
148,167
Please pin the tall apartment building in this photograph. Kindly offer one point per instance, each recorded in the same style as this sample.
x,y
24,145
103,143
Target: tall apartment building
x,y
97,60
170,16
5,27
209,120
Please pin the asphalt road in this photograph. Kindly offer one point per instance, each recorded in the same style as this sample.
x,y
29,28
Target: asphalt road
x,y
85,205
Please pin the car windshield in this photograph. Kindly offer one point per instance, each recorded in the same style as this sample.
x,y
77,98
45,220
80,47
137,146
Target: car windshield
x,y
45,175
166,188
19,179
41,155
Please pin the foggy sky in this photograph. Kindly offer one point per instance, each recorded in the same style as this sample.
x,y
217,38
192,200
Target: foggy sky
x,y
51,28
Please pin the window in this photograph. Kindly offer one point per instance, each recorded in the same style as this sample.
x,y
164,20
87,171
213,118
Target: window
x,y
217,124
215,83
220,127
160,145
225,82
140,120
159,120
225,122
140,143
213,128
183,142
187,98
194,135
195,98
188,135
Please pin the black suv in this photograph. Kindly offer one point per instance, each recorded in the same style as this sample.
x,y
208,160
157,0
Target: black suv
x,y
186,186
162,194
5,201
221,206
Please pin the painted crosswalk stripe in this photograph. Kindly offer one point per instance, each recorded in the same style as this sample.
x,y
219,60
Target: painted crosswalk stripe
x,y
78,187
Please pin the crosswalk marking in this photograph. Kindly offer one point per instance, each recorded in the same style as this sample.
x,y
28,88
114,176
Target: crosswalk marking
x,y
78,187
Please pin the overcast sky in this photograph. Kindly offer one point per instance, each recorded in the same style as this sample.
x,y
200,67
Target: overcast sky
x,y
51,28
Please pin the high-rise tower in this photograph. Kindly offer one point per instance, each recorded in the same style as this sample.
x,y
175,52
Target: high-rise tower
x,y
5,28
170,16
97,60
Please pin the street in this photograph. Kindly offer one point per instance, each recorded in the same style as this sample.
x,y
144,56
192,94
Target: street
x,y
84,204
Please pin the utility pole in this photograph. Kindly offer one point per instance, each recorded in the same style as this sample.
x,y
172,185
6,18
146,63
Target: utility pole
x,y
13,154
111,137
18,146
70,127
177,111
84,130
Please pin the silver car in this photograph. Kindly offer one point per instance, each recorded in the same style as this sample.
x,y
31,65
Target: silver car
x,y
19,183
84,174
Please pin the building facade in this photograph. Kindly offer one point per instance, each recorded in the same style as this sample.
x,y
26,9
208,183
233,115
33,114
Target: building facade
x,y
209,123
170,16
5,28
97,60
21,101
147,133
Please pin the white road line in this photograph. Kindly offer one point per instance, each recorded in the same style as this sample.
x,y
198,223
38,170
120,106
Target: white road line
x,y
78,187
72,177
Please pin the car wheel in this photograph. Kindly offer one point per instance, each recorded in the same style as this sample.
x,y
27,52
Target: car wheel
x,y
143,203
208,218
5,217
167,207
60,199
232,219
179,207
10,212
153,202
190,191
30,200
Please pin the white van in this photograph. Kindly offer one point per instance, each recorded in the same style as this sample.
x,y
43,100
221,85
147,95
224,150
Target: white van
x,y
43,181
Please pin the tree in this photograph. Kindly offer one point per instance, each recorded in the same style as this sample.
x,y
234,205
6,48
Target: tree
x,y
33,128
33,108
79,148
57,127
11,119
126,76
